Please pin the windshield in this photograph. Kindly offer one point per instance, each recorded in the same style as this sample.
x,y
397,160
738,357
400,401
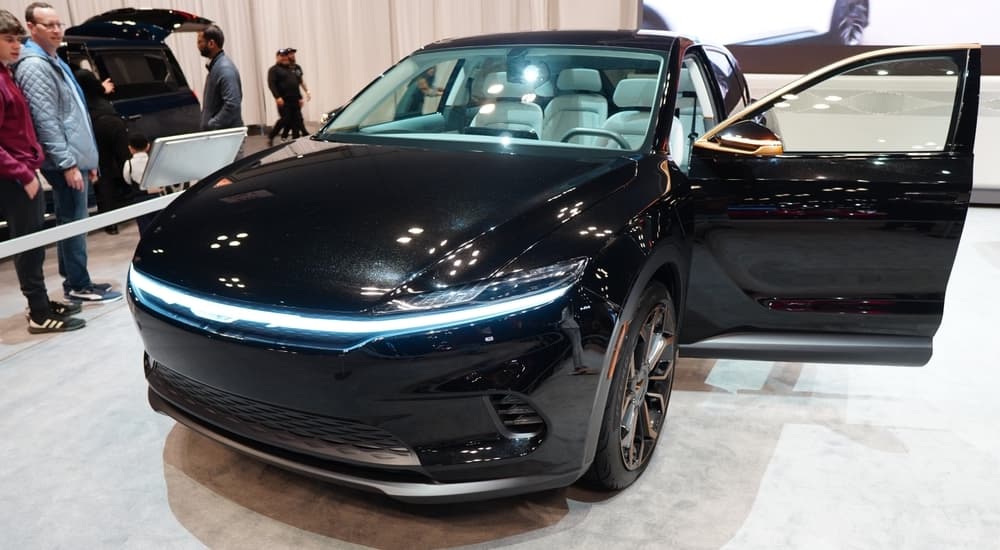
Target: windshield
x,y
553,96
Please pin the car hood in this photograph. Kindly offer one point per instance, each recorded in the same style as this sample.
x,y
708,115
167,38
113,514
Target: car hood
x,y
335,227
139,24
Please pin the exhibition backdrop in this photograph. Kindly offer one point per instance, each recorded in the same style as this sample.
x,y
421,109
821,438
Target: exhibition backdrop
x,y
344,44
776,40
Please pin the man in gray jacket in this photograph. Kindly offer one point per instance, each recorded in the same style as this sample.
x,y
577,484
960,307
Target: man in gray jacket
x,y
59,113
221,102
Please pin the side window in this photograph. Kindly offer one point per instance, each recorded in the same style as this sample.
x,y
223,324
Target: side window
x,y
139,73
890,106
730,80
694,113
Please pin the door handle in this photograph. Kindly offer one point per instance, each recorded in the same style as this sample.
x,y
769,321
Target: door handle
x,y
133,117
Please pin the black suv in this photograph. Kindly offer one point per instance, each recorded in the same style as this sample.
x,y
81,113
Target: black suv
x,y
126,45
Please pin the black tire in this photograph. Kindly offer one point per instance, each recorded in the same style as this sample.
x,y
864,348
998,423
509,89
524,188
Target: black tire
x,y
639,396
848,22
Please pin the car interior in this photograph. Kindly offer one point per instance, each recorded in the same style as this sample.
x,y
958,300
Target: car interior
x,y
566,98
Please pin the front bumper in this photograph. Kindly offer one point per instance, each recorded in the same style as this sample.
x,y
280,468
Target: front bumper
x,y
407,491
481,411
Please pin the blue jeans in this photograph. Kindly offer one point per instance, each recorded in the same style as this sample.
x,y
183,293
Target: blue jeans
x,y
71,205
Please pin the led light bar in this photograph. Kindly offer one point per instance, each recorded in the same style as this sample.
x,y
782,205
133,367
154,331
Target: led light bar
x,y
219,312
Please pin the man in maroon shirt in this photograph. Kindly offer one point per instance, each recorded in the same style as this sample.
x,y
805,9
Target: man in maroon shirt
x,y
21,198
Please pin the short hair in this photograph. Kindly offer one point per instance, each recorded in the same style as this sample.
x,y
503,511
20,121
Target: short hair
x,y
138,141
9,24
213,32
29,12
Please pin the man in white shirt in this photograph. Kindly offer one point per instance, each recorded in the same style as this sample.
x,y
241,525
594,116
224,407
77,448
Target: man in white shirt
x,y
135,167
133,171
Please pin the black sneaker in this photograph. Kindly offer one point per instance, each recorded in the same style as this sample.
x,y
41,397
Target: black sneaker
x,y
64,309
103,287
54,323
92,295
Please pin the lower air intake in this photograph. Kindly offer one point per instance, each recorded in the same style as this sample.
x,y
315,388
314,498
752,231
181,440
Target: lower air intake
x,y
517,416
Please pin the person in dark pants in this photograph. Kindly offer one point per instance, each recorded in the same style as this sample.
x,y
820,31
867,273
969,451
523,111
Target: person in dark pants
x,y
21,197
222,99
297,71
112,145
59,114
284,86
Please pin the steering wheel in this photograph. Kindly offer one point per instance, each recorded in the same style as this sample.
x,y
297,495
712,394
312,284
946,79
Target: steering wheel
x,y
596,132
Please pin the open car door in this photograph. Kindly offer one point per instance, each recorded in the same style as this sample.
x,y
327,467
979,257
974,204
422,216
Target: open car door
x,y
139,24
828,214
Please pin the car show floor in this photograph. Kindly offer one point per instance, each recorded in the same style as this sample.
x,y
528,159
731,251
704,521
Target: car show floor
x,y
755,455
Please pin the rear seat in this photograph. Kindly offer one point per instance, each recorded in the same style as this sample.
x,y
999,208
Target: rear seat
x,y
578,104
508,111
635,96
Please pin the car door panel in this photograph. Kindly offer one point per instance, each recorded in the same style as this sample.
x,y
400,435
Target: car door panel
x,y
844,232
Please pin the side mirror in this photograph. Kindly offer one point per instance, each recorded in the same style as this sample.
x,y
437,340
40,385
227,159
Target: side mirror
x,y
329,115
750,137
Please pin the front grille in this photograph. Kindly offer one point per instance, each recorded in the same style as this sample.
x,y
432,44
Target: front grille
x,y
517,416
322,436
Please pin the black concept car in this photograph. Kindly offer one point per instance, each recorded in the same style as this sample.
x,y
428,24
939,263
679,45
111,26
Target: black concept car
x,y
476,279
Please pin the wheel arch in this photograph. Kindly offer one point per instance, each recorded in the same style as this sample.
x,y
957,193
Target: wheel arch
x,y
669,265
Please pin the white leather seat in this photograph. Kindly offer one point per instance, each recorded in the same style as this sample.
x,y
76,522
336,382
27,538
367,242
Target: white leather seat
x,y
510,107
678,143
636,97
688,110
577,105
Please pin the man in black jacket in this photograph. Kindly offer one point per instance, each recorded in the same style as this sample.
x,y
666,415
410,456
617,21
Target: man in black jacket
x,y
284,86
297,71
112,145
221,103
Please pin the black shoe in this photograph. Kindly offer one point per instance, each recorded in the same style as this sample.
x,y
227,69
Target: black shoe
x,y
93,295
54,323
64,309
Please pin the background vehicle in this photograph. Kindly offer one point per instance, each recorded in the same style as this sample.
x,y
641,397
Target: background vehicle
x,y
484,292
151,92
126,45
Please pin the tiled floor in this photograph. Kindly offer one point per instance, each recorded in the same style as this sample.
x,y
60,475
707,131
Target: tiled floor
x,y
756,455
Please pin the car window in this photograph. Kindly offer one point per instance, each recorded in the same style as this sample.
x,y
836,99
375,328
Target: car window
x,y
890,106
694,113
729,79
540,95
140,73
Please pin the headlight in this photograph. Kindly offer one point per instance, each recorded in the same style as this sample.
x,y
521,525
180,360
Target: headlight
x,y
521,285
514,293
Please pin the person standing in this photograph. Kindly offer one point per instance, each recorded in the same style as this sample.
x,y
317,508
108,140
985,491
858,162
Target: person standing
x,y
284,87
112,145
297,71
59,114
222,99
21,197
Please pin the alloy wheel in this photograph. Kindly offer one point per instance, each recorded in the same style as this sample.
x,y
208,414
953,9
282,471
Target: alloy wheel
x,y
646,392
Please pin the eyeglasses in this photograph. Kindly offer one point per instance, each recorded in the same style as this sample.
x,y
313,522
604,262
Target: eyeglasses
x,y
51,26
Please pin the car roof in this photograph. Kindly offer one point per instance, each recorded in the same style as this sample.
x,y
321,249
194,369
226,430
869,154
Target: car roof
x,y
652,40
